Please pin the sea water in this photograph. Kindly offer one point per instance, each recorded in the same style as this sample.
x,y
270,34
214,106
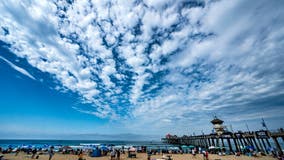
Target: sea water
x,y
40,143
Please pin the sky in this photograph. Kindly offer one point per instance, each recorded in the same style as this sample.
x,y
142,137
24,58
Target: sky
x,y
148,67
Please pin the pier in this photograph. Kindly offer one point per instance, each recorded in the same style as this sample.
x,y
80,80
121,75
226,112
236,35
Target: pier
x,y
232,141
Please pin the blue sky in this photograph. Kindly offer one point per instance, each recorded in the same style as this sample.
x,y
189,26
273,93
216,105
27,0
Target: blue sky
x,y
145,67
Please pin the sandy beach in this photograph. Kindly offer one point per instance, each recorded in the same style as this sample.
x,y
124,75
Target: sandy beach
x,y
140,156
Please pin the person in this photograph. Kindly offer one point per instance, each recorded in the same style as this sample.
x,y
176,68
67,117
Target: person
x,y
238,154
112,155
194,152
81,155
34,151
123,152
17,151
51,153
118,155
203,155
149,155
206,155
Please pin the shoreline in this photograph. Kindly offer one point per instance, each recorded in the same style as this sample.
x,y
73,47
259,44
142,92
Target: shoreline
x,y
140,156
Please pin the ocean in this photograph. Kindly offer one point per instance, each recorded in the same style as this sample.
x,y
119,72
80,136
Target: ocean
x,y
39,143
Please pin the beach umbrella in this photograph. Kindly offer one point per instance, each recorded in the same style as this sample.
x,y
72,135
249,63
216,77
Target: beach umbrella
x,y
76,147
67,148
104,148
24,146
191,146
211,147
163,147
173,148
132,149
185,148
117,147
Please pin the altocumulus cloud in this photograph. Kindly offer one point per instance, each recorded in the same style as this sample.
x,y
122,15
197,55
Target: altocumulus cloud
x,y
164,61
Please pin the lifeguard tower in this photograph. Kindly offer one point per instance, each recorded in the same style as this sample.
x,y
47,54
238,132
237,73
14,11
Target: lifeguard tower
x,y
218,125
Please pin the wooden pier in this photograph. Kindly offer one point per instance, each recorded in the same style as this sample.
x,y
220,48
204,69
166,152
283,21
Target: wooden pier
x,y
259,140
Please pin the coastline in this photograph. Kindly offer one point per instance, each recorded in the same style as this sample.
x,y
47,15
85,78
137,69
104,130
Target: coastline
x,y
140,156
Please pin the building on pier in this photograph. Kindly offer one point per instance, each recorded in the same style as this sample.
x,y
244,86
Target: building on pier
x,y
233,141
218,125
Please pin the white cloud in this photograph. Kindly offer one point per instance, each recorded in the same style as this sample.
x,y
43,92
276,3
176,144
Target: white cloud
x,y
163,60
19,69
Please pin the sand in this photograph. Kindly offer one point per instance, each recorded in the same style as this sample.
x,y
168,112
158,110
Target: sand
x,y
140,156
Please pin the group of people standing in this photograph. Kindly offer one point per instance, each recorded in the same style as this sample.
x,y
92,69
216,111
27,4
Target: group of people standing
x,y
204,153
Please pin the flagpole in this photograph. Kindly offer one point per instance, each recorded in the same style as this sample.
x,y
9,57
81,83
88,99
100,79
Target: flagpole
x,y
231,127
264,125
247,127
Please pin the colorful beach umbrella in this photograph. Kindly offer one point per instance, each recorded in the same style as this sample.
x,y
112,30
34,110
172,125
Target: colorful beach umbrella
x,y
132,149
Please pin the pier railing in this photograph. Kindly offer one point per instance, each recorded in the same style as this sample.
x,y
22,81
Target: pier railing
x,y
259,140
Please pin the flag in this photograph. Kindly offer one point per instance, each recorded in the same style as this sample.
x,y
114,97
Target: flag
x,y
263,123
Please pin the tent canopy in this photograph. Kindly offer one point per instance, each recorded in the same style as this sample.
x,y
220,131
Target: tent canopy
x,y
96,152
191,146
